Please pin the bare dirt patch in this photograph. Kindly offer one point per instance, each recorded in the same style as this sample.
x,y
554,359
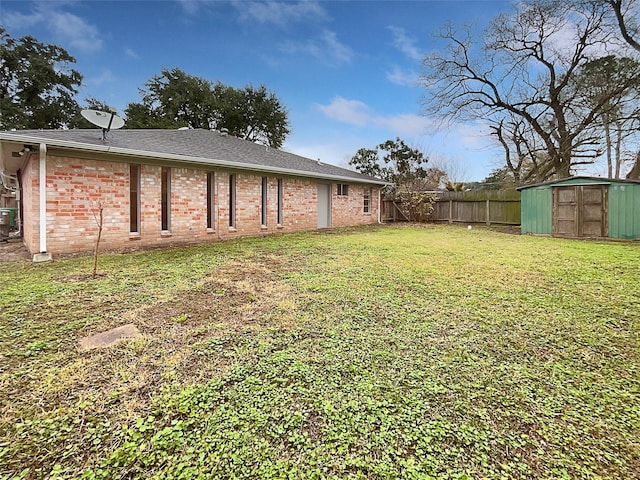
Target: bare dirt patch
x,y
13,251
110,337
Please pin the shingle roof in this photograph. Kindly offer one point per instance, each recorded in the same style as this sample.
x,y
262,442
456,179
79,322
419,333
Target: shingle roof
x,y
190,146
576,179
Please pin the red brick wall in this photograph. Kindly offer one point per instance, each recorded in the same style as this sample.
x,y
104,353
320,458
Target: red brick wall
x,y
348,209
75,190
75,186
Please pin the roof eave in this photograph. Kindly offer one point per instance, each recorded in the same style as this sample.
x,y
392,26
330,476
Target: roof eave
x,y
596,181
192,160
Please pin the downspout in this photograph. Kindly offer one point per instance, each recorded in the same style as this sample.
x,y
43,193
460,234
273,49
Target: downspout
x,y
380,205
19,202
43,198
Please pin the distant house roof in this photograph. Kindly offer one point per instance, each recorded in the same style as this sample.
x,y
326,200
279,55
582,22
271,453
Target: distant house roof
x,y
191,147
578,180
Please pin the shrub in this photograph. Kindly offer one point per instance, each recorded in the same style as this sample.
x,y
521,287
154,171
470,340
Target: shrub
x,y
417,206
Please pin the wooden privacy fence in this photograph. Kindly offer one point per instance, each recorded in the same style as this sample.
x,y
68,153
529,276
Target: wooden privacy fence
x,y
488,207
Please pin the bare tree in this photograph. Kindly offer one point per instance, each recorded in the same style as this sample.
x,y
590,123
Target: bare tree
x,y
626,17
618,122
98,215
522,73
524,160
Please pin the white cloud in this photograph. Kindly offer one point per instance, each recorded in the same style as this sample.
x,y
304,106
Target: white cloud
x,y
80,34
403,77
354,112
73,31
19,20
130,53
335,150
278,13
405,44
327,49
405,124
105,77
190,7
339,52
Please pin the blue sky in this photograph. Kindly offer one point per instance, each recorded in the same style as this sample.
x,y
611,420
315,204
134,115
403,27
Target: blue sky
x,y
346,71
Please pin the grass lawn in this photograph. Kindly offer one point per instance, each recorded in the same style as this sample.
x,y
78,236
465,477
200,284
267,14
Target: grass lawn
x,y
379,352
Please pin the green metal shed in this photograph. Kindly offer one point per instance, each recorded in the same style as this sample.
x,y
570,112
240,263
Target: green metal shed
x,y
582,207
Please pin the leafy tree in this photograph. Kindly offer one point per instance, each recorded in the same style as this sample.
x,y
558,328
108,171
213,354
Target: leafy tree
x,y
253,114
521,74
396,162
37,84
403,165
366,161
173,99
498,179
176,99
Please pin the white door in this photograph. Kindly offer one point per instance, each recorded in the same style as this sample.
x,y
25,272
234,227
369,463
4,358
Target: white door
x,y
324,205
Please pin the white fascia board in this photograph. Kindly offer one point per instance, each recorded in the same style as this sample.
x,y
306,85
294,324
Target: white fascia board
x,y
12,137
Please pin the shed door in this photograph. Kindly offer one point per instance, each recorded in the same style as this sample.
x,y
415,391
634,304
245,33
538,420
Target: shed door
x,y
324,205
580,211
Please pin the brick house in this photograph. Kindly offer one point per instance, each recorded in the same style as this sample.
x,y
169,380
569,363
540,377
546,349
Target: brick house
x,y
169,187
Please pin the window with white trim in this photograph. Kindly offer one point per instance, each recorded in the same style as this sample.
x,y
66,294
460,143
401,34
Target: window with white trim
x,y
366,207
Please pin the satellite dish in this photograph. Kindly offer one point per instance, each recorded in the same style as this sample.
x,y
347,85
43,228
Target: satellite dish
x,y
105,120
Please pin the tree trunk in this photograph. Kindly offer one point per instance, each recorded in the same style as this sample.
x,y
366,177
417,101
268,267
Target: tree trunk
x,y
618,148
95,251
563,166
634,174
607,136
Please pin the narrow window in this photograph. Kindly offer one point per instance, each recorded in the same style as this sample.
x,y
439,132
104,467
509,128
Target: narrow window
x,y
166,198
210,196
232,200
280,193
343,189
263,218
134,198
367,200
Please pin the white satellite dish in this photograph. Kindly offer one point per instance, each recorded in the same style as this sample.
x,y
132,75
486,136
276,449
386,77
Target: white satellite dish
x,y
105,120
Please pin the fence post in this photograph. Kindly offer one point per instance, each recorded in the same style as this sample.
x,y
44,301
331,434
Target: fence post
x,y
450,211
488,213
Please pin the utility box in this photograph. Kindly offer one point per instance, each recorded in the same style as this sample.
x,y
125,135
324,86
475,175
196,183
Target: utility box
x,y
4,222
12,215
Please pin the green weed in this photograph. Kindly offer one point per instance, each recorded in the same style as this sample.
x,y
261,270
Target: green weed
x,y
379,352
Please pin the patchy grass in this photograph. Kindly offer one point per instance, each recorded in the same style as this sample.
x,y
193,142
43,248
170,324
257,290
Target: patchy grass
x,y
396,352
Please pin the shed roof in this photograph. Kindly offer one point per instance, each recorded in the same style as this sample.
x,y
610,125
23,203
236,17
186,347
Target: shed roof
x,y
577,179
197,146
